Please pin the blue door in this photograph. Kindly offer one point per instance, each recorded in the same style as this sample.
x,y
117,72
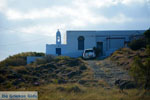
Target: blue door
x,y
100,47
58,51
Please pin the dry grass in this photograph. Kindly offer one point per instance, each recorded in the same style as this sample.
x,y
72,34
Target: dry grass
x,y
124,57
92,90
52,92
87,75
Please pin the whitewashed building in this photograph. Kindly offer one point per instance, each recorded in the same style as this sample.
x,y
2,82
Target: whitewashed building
x,y
77,41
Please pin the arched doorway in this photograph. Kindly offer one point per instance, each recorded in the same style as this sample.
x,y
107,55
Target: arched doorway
x,y
80,43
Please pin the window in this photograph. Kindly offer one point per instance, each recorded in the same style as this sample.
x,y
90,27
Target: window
x,y
80,43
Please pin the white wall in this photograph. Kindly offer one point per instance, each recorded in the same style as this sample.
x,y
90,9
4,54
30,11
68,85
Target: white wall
x,y
31,59
72,42
116,43
110,40
51,49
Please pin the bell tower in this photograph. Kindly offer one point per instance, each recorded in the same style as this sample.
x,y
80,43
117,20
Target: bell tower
x,y
58,37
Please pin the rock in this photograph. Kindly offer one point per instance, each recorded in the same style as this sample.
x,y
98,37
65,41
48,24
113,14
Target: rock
x,y
75,89
57,71
125,84
83,67
62,81
22,72
18,81
82,82
14,76
73,73
53,75
2,71
34,79
21,80
2,79
45,66
73,62
36,74
36,83
60,89
50,70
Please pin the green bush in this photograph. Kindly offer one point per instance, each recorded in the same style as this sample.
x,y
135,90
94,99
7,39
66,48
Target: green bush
x,y
62,58
97,51
74,89
83,67
44,60
147,36
148,50
140,70
137,44
140,43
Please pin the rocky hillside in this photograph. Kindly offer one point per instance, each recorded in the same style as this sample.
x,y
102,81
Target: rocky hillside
x,y
108,71
57,70
125,56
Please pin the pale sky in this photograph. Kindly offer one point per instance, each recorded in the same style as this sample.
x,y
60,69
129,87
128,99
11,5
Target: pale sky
x,y
28,25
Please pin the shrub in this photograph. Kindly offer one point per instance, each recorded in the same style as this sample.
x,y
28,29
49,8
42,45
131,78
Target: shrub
x,y
44,60
141,72
147,36
148,50
62,89
97,51
55,81
2,79
62,58
83,67
142,42
137,44
74,89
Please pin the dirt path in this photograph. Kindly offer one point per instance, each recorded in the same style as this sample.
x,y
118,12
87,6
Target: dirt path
x,y
107,70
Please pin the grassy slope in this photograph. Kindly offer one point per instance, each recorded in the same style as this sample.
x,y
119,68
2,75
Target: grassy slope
x,y
69,92
57,70
124,57
48,90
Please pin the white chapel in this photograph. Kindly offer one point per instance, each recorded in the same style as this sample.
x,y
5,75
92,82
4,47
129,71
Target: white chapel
x,y
78,40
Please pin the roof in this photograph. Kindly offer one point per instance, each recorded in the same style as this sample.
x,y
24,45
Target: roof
x,y
107,32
